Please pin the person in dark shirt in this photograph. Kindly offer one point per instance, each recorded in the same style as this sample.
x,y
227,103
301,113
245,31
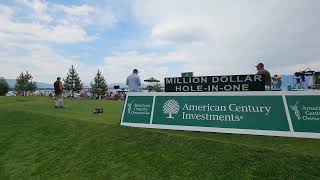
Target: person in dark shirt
x,y
58,90
262,71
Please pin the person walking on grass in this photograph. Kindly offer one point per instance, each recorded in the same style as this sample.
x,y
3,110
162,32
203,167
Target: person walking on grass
x,y
58,90
134,82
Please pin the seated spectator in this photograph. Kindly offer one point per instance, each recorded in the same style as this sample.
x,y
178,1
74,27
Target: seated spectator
x,y
276,82
149,88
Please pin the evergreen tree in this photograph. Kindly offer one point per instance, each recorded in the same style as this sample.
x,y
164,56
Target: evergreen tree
x,y
72,83
4,87
99,85
24,83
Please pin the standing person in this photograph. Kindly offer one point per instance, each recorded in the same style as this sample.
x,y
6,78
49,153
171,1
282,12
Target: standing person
x,y
58,90
134,82
262,71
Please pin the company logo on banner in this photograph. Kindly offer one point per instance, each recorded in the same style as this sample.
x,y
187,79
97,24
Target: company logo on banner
x,y
130,106
296,110
135,108
311,113
171,107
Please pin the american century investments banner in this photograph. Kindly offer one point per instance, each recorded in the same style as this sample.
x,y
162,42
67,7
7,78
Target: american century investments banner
x,y
292,114
253,112
215,83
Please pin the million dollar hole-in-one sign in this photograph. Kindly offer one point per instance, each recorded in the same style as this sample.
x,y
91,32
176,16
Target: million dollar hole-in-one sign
x,y
215,83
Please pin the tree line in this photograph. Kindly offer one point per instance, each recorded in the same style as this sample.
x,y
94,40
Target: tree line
x,y
72,84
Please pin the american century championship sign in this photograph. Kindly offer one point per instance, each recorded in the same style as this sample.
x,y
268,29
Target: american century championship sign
x,y
304,113
215,83
292,114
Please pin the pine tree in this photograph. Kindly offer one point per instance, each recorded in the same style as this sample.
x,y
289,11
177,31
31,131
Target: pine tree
x,y
72,83
99,85
24,83
4,87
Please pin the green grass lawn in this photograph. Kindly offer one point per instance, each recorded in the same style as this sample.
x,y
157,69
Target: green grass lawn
x,y
40,142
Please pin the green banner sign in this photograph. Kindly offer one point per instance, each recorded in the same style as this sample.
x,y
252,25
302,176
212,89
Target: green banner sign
x,y
304,113
261,113
254,112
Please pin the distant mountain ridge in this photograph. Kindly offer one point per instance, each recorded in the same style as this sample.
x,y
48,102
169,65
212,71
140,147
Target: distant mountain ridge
x,y
40,85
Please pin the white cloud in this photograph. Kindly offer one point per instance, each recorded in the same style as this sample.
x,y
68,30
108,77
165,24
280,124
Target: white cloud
x,y
179,31
82,10
61,33
209,37
119,65
45,64
85,15
55,23
230,37
42,62
25,43
6,11
39,7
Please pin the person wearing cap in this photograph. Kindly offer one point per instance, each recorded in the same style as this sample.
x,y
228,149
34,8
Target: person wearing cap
x,y
58,90
276,83
134,82
262,71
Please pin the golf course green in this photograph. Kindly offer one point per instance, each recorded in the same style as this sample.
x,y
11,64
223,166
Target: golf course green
x,y
38,141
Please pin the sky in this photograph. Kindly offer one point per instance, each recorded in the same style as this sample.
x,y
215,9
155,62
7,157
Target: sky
x,y
159,38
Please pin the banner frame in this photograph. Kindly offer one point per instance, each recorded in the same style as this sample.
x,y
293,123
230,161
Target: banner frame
x,y
283,95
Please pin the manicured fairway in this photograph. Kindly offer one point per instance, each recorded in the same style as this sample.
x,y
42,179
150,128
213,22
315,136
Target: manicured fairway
x,y
40,142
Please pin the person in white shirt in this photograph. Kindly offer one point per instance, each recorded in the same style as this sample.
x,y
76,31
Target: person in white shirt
x,y
134,82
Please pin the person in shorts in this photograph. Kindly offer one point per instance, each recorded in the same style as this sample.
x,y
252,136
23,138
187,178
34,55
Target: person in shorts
x,y
58,90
